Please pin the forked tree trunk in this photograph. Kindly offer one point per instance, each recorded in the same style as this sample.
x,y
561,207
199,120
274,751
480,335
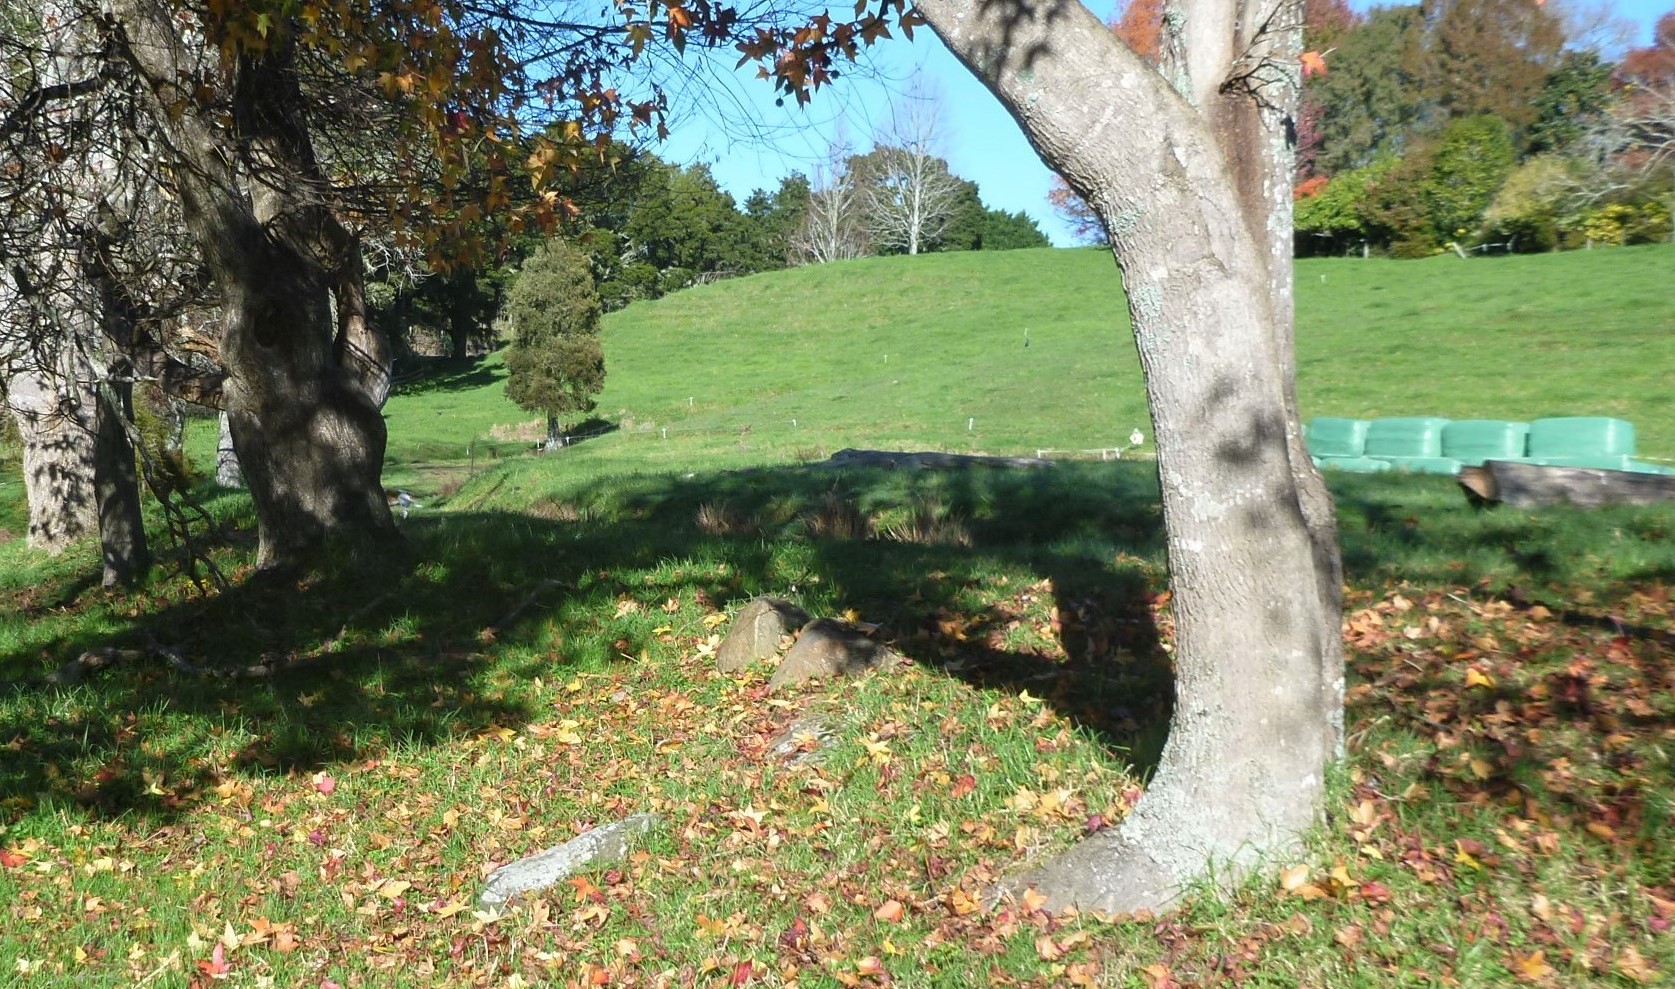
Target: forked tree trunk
x,y
1192,182
303,388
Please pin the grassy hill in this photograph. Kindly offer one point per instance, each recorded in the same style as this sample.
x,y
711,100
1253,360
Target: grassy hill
x,y
930,352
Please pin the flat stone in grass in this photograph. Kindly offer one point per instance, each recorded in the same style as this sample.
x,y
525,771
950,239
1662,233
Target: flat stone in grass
x,y
543,869
756,633
803,742
828,648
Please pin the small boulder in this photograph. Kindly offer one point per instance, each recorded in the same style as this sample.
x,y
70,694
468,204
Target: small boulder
x,y
828,648
543,869
757,631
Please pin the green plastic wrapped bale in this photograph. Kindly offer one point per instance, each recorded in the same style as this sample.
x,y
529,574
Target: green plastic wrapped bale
x,y
1650,468
1472,441
1425,465
1581,436
1357,465
1328,436
1407,437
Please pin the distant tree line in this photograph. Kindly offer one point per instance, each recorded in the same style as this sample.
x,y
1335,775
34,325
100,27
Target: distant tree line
x,y
1469,125
653,227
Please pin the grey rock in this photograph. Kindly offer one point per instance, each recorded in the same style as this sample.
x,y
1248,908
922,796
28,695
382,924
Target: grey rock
x,y
543,869
828,648
792,744
756,633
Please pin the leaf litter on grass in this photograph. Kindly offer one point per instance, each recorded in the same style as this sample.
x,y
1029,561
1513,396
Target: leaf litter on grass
x,y
1499,819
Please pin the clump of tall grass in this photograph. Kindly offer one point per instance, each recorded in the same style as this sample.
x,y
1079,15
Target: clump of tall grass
x,y
926,522
835,516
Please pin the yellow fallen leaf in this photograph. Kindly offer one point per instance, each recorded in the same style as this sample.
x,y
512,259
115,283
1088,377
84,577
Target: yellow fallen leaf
x,y
1532,967
1477,678
963,903
394,888
1293,877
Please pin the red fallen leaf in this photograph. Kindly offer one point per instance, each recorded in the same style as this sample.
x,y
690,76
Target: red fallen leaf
x,y
963,786
325,782
216,967
795,937
11,859
1374,892
743,972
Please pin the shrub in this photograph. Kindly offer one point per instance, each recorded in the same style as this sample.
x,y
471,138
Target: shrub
x,y
1528,209
556,362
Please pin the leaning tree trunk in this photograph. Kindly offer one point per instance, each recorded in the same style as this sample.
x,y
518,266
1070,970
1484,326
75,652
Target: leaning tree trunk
x,y
303,388
122,541
1190,181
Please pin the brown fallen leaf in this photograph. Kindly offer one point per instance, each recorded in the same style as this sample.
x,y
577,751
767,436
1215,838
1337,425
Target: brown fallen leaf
x,y
1632,964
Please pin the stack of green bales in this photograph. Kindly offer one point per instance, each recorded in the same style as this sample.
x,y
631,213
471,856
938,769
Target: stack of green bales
x,y
1431,445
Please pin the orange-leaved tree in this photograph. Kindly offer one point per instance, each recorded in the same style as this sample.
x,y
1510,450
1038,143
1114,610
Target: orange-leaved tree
x,y
281,135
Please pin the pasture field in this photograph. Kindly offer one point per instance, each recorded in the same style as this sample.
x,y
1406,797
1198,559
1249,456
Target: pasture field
x,y
932,355
538,658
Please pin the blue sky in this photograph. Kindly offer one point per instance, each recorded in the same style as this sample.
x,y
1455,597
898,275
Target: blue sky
x,y
731,122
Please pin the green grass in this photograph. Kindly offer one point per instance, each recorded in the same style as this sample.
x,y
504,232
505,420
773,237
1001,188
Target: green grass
x,y
538,659
930,354
1584,333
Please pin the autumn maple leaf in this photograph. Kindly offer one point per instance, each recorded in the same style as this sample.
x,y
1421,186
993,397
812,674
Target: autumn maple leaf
x,y
1314,63
217,966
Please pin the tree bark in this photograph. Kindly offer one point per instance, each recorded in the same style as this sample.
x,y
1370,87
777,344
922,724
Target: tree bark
x,y
55,422
122,540
227,473
303,389
1191,180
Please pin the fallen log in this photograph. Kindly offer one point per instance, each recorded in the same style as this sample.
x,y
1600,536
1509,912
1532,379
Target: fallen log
x,y
927,460
1523,485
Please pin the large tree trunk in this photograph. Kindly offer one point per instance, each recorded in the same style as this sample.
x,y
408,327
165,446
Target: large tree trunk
x,y
303,388
1192,182
55,415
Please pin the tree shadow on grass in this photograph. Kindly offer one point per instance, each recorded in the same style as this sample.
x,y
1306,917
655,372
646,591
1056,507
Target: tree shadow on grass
x,y
1422,530
437,640
433,375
